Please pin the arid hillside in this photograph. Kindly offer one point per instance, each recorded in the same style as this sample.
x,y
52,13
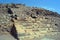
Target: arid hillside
x,y
19,22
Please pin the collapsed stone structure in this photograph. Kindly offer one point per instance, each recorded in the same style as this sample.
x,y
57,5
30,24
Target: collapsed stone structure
x,y
18,22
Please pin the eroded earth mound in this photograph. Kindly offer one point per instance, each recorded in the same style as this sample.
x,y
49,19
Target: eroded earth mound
x,y
19,22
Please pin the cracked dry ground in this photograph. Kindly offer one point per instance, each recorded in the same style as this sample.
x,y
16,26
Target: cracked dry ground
x,y
25,23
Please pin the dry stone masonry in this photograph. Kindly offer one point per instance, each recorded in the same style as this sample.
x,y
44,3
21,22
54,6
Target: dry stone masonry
x,y
18,22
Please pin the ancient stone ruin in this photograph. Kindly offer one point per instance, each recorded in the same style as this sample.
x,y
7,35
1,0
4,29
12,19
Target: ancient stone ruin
x,y
19,22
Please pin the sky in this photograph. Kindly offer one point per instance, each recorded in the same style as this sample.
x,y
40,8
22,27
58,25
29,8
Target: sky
x,y
53,5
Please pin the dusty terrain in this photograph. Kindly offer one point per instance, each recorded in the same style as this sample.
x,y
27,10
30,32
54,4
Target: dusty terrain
x,y
19,22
